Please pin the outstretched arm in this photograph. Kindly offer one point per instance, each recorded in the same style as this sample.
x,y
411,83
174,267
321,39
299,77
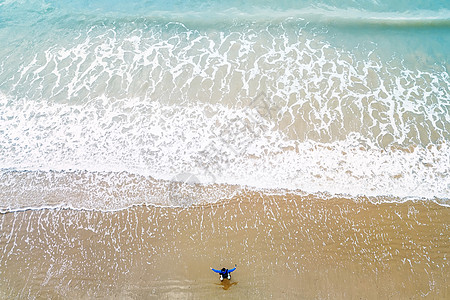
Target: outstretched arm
x,y
235,266
217,271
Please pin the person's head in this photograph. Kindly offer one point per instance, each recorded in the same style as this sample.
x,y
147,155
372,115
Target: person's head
x,y
223,269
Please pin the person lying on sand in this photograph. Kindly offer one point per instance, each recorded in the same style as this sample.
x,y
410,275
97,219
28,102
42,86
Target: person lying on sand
x,y
224,273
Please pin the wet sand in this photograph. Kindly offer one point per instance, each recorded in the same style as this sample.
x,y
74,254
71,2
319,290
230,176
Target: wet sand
x,y
297,247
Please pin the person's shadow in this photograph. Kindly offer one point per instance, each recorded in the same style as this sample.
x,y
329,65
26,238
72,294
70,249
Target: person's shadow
x,y
226,284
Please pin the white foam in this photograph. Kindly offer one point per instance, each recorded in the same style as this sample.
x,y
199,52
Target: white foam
x,y
214,143
292,113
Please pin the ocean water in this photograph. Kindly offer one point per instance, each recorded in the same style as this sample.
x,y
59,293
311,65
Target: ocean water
x,y
110,104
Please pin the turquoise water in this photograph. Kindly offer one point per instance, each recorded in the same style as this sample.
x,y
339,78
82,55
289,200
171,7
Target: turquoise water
x,y
331,97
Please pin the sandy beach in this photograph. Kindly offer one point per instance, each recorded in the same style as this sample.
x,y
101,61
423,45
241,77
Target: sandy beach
x,y
284,246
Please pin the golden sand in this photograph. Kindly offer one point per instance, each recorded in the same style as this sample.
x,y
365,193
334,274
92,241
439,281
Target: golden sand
x,y
285,247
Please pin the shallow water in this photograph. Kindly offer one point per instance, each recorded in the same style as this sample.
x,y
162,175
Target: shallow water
x,y
355,101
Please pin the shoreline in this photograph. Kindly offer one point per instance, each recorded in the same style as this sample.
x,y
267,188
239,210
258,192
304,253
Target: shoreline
x,y
72,191
319,196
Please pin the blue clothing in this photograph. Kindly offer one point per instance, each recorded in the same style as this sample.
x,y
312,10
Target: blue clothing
x,y
223,272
